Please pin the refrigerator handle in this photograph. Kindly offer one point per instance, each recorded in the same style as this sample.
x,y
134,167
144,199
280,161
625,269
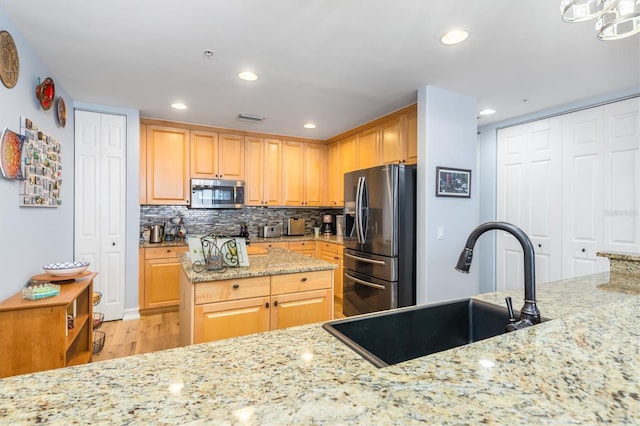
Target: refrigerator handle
x,y
367,283
364,209
364,259
358,218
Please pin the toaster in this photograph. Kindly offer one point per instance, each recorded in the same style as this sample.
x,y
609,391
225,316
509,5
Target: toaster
x,y
270,231
294,226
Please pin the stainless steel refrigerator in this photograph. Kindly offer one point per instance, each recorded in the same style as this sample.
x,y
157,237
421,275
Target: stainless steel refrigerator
x,y
380,239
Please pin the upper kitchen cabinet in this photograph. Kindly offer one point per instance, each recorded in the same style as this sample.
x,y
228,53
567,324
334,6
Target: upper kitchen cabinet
x,y
334,196
167,165
217,156
368,148
411,132
399,139
263,171
302,175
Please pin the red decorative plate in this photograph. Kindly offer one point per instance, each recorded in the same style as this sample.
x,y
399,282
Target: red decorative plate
x,y
61,110
46,92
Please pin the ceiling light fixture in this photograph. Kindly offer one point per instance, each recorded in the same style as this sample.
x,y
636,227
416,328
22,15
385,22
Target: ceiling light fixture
x,y
615,19
208,53
250,117
454,37
178,105
487,111
248,76
309,126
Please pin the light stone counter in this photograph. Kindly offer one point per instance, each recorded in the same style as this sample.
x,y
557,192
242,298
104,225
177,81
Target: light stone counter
x,y
581,368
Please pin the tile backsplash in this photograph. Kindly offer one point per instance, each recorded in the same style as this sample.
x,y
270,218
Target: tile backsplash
x,y
227,221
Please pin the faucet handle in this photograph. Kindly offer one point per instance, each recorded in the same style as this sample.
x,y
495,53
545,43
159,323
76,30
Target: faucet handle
x,y
512,317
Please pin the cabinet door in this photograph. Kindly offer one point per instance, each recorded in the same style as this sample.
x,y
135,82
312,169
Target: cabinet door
x,y
347,156
313,174
231,160
162,283
392,148
335,193
289,310
215,321
411,137
272,193
204,155
337,273
369,148
293,173
254,171
167,165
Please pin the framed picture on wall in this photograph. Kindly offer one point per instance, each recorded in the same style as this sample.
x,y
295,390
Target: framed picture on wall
x,y
452,182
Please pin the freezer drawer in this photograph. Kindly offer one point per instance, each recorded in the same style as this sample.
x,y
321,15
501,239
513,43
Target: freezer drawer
x,y
363,294
373,265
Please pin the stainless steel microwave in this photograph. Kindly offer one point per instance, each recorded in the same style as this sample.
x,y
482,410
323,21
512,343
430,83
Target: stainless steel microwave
x,y
217,194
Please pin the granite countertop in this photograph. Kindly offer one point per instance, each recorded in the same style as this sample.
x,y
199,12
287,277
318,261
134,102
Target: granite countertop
x,y
277,261
286,238
583,367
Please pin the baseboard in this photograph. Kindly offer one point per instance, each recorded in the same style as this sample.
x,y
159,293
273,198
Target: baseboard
x,y
131,314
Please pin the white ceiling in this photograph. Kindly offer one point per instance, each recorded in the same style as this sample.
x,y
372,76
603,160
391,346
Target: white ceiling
x,y
338,63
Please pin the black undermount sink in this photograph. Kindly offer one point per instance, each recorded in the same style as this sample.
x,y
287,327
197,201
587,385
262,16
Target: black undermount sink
x,y
390,337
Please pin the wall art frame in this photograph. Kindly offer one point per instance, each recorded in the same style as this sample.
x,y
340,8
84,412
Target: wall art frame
x,y
452,182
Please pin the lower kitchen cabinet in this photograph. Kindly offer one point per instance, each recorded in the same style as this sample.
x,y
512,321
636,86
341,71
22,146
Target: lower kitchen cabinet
x,y
303,247
214,310
332,253
160,286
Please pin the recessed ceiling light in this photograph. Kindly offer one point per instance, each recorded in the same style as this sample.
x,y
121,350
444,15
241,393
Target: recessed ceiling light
x,y
309,126
248,76
208,53
178,105
454,37
487,111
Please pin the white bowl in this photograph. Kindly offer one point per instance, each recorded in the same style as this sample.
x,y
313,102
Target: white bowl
x,y
65,268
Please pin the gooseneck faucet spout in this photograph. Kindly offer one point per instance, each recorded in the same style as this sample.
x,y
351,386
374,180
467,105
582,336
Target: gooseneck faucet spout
x,y
529,314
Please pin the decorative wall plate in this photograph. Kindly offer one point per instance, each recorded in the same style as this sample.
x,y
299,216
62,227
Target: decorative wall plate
x,y
61,111
46,92
10,154
9,61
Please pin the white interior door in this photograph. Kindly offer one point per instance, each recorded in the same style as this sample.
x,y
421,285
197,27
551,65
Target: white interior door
x,y
582,197
622,176
100,149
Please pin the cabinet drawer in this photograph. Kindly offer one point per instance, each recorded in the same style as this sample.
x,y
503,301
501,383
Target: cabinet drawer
x,y
217,291
278,244
163,252
303,281
330,247
302,245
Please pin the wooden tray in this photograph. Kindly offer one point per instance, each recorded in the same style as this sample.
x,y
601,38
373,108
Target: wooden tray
x,y
60,278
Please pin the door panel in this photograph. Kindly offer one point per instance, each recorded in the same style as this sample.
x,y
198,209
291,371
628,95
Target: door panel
x,y
382,221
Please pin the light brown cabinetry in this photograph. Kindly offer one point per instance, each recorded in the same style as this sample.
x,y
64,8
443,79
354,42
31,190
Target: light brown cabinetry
x,y
167,165
302,175
216,310
368,147
263,171
217,156
411,131
334,195
393,145
35,336
159,290
303,247
332,253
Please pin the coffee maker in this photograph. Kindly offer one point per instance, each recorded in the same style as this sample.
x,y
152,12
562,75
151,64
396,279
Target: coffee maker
x,y
328,227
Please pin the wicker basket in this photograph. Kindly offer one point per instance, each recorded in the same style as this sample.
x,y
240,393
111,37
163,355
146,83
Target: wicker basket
x,y
98,319
98,341
97,296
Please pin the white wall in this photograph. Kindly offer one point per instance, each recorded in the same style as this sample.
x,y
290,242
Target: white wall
x,y
132,214
487,140
32,236
447,128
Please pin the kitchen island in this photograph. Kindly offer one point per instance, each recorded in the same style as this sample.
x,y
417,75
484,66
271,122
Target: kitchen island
x,y
583,367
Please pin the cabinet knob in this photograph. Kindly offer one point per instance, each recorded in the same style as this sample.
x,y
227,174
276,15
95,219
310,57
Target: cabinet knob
x,y
539,245
275,303
583,250
266,305
303,279
113,244
236,286
168,250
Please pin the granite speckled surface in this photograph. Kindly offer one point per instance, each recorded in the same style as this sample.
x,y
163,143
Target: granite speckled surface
x,y
277,261
583,367
626,263
331,239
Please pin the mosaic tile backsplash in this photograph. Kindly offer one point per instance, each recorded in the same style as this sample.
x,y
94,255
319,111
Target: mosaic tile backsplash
x,y
227,221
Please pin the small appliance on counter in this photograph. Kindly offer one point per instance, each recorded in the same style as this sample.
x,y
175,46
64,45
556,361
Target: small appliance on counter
x,y
340,225
157,232
294,226
270,231
328,227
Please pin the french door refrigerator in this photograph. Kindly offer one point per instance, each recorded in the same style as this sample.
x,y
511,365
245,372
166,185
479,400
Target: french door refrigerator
x,y
380,239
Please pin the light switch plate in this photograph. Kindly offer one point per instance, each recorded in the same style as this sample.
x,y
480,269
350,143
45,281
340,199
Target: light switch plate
x,y
440,233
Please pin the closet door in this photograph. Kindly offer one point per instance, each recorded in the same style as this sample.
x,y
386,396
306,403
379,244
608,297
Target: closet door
x,y
529,196
622,176
100,188
582,212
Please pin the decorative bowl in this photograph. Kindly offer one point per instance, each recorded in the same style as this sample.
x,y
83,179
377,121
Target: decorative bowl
x,y
65,268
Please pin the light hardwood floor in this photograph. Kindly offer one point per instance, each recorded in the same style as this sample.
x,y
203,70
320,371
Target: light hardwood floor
x,y
148,334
